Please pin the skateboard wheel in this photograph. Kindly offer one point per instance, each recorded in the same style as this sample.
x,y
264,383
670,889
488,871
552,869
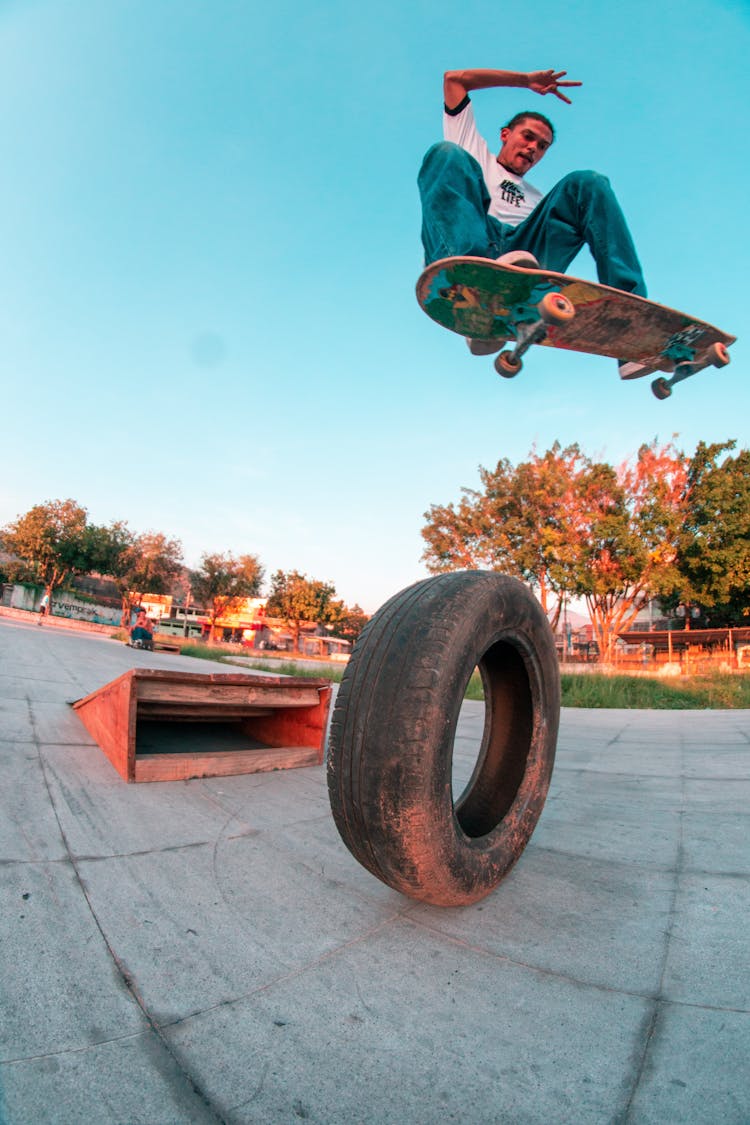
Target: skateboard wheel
x,y
661,388
718,355
507,365
394,797
554,308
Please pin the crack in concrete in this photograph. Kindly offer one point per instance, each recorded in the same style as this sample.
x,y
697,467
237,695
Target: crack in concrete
x,y
122,972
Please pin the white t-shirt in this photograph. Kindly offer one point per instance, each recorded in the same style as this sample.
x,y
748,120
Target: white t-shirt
x,y
512,197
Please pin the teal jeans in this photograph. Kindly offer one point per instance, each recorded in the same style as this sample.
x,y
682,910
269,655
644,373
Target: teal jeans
x,y
581,210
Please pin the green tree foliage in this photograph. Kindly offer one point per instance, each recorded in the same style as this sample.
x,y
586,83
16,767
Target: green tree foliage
x,y
714,544
295,599
51,540
351,622
151,564
571,526
223,582
627,532
106,547
148,563
12,567
524,521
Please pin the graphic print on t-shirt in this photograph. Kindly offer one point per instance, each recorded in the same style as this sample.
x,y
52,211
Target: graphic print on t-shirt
x,y
512,193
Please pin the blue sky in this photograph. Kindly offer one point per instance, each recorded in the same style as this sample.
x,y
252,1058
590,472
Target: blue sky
x,y
209,240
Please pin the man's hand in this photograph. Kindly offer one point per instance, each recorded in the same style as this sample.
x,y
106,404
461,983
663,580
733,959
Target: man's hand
x,y
548,82
458,83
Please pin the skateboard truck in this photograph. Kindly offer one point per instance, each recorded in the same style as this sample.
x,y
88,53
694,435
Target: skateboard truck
x,y
553,308
716,356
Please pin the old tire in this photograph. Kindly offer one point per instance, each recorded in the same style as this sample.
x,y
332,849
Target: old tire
x,y
393,727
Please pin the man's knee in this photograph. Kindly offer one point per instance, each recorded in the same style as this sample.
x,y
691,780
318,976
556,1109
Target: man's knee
x,y
445,150
586,181
446,156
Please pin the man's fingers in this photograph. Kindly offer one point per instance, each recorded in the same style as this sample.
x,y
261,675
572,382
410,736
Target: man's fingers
x,y
550,81
556,75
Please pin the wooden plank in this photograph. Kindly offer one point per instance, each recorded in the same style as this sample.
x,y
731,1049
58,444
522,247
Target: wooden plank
x,y
305,727
109,715
199,714
182,767
166,676
203,694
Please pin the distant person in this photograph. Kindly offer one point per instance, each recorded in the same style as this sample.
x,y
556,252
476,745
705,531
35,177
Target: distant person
x,y
141,634
43,608
478,204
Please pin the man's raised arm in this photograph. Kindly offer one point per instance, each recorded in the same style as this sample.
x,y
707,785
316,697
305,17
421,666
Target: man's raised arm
x,y
458,83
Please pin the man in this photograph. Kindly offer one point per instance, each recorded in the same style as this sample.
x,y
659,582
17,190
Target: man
x,y
482,205
141,634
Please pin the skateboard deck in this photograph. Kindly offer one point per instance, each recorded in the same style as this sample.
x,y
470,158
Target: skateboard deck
x,y
481,299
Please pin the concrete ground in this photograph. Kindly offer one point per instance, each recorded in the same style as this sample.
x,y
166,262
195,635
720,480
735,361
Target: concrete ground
x,y
208,951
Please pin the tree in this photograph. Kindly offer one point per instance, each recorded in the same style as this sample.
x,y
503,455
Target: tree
x,y
351,622
12,567
570,526
295,598
714,542
521,522
137,564
51,539
106,545
625,549
223,582
155,562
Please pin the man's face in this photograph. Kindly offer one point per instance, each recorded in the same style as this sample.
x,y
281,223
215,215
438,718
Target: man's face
x,y
524,145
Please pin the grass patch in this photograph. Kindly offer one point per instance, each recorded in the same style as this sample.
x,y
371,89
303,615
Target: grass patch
x,y
594,690
204,652
474,689
715,692
289,668
272,667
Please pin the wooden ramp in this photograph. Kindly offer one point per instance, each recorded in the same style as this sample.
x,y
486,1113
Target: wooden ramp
x,y
169,726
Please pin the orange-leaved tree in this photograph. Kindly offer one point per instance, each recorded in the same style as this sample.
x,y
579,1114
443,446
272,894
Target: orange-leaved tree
x,y
571,526
522,522
626,537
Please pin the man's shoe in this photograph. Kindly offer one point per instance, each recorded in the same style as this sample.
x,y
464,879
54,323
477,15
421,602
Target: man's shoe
x,y
629,369
521,258
485,347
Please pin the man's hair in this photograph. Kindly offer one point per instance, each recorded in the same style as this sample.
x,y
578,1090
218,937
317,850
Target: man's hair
x,y
521,117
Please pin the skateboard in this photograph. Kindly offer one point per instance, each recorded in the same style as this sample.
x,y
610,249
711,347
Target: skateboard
x,y
481,299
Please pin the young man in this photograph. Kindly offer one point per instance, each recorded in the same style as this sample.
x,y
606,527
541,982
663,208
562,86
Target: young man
x,y
142,633
482,205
